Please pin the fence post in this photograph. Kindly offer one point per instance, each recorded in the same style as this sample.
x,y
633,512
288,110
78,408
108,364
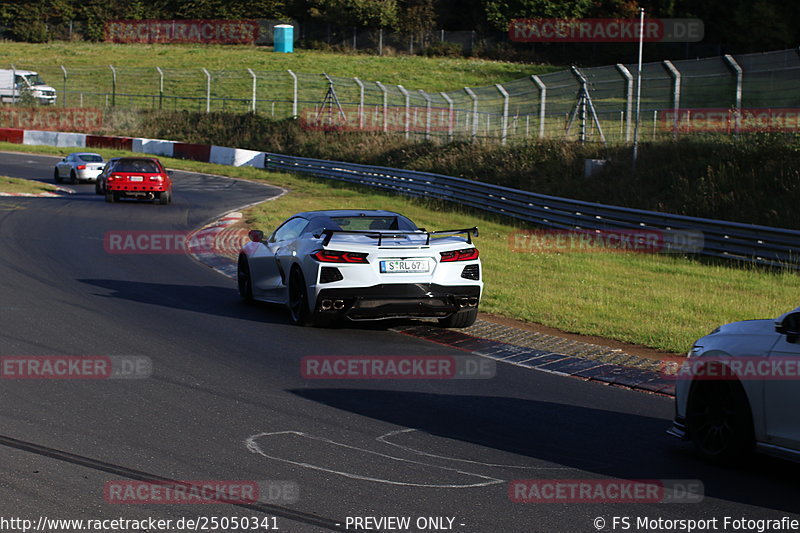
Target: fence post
x,y
407,121
676,94
427,114
542,102
380,42
64,98
628,98
504,133
360,103
160,87
737,70
385,106
208,90
294,93
474,97
253,74
113,85
449,114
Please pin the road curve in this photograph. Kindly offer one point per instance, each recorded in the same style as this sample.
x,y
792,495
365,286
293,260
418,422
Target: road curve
x,y
226,400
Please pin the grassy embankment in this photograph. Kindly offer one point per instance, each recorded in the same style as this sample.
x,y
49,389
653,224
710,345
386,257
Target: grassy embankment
x,y
21,186
663,302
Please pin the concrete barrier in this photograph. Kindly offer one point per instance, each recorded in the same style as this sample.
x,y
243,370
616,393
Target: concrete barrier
x,y
236,157
102,141
153,146
11,135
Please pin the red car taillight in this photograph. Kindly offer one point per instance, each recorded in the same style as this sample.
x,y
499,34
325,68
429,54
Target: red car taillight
x,y
156,178
334,256
467,254
81,167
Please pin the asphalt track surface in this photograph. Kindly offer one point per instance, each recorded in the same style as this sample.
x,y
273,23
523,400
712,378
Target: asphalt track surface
x,y
226,400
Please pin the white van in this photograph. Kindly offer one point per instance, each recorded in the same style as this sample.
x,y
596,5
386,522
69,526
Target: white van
x,y
14,83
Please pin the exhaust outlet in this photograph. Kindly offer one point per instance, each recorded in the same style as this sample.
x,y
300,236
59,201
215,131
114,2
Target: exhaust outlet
x,y
338,304
473,302
463,302
325,305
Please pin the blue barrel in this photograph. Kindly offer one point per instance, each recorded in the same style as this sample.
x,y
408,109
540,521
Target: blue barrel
x,y
284,38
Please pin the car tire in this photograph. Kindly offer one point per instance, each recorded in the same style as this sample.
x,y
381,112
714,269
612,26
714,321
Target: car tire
x,y
73,178
111,197
244,280
460,319
719,420
298,300
164,198
56,176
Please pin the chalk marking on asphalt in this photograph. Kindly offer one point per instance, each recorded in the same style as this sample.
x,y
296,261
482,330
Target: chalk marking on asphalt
x,y
384,439
253,446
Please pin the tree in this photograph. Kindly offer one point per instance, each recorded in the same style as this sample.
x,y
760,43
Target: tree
x,y
500,12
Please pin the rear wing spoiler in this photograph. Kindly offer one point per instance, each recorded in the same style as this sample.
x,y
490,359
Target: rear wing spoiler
x,y
380,235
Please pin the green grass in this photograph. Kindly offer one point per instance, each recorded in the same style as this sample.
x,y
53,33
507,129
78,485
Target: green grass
x,y
664,302
414,72
17,185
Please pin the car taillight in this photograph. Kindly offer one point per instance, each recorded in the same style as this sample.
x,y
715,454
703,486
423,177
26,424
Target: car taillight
x,y
467,254
334,256
156,178
81,167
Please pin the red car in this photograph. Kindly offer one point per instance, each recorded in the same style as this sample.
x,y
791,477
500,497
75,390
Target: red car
x,y
143,178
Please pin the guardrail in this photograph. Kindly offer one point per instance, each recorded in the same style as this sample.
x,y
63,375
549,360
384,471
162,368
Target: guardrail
x,y
762,245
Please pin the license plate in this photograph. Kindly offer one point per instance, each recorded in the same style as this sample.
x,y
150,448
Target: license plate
x,y
137,178
399,266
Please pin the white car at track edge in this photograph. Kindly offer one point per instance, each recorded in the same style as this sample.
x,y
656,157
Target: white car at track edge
x,y
363,265
742,390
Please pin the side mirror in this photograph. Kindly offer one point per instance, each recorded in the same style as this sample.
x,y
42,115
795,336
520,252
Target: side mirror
x,y
255,235
169,173
788,324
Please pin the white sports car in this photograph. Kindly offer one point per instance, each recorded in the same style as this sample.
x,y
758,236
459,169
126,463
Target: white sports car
x,y
739,390
363,265
79,166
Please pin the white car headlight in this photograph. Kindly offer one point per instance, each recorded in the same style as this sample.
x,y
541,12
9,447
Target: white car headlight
x,y
695,351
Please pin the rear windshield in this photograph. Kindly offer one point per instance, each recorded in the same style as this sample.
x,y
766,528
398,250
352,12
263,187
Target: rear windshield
x,y
359,223
91,158
142,166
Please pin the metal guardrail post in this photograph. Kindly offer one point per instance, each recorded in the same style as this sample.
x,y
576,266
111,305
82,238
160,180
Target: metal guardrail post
x,y
407,121
160,87
474,111
385,106
504,133
427,114
360,103
542,102
676,94
253,104
628,99
294,93
64,97
208,90
449,114
737,70
113,85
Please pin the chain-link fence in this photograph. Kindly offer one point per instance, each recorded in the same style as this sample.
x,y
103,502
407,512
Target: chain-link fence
x,y
727,94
